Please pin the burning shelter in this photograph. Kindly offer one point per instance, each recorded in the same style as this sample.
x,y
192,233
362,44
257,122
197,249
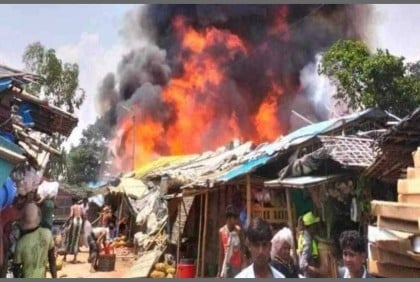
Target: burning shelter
x,y
212,73
238,174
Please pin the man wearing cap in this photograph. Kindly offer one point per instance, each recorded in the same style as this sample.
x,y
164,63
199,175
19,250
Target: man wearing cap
x,y
307,246
35,246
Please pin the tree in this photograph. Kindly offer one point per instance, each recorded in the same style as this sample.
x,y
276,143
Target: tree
x,y
365,79
82,165
59,83
86,161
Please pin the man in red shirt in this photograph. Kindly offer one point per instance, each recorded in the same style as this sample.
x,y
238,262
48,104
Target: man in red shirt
x,y
231,246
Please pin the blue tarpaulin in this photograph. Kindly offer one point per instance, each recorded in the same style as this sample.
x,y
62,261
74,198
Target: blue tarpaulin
x,y
7,193
5,83
25,112
245,168
96,185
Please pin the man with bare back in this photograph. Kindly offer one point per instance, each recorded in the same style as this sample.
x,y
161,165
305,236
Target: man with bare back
x,y
76,224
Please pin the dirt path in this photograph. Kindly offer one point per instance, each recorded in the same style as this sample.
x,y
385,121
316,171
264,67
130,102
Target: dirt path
x,y
81,269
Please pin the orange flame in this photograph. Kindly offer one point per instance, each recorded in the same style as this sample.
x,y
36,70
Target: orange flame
x,y
200,124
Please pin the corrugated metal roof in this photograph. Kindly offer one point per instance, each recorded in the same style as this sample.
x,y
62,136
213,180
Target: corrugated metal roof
x,y
15,76
224,165
301,182
307,132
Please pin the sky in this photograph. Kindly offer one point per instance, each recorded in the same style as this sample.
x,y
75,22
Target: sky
x,y
90,36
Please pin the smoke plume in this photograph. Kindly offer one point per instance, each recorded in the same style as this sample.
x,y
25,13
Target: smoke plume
x,y
201,75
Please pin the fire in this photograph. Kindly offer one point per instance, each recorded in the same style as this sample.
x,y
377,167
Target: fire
x,y
265,122
202,120
280,26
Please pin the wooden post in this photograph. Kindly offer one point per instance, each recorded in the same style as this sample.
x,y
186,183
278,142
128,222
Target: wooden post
x,y
179,233
200,236
120,213
291,222
203,250
130,228
248,199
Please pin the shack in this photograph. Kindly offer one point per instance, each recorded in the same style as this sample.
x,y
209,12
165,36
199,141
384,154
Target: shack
x,y
25,119
236,175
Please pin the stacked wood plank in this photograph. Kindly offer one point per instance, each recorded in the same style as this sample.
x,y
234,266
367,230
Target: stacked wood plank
x,y
390,250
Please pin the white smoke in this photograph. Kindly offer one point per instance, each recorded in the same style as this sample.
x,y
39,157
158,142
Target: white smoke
x,y
320,91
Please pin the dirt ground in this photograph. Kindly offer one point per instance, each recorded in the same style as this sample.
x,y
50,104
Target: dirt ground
x,y
81,269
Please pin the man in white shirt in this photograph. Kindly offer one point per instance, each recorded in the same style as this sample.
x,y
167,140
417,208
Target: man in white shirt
x,y
354,255
259,236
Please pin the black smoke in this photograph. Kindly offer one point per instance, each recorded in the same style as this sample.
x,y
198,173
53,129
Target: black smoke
x,y
278,55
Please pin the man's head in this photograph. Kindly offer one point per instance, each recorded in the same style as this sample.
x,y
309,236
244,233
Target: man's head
x,y
282,242
259,235
310,221
31,217
231,216
353,248
74,200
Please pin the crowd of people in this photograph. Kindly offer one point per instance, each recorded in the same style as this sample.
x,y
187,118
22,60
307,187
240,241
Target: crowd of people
x,y
33,240
258,253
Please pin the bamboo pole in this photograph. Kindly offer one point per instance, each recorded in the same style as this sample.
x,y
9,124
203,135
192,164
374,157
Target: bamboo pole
x,y
37,142
130,228
120,213
200,235
291,222
203,251
179,233
248,199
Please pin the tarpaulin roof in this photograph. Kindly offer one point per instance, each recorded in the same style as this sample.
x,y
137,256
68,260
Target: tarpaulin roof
x,y
161,163
132,187
229,163
206,168
245,168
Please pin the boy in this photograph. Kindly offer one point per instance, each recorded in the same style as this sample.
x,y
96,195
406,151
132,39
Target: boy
x,y
354,255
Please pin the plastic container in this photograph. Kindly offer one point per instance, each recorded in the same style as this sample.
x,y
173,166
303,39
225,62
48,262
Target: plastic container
x,y
106,262
108,250
186,269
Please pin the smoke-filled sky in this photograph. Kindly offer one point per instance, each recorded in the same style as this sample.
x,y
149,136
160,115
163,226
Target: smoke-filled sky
x,y
209,73
93,39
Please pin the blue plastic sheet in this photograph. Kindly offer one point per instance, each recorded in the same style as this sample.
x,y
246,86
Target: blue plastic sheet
x,y
7,193
5,83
